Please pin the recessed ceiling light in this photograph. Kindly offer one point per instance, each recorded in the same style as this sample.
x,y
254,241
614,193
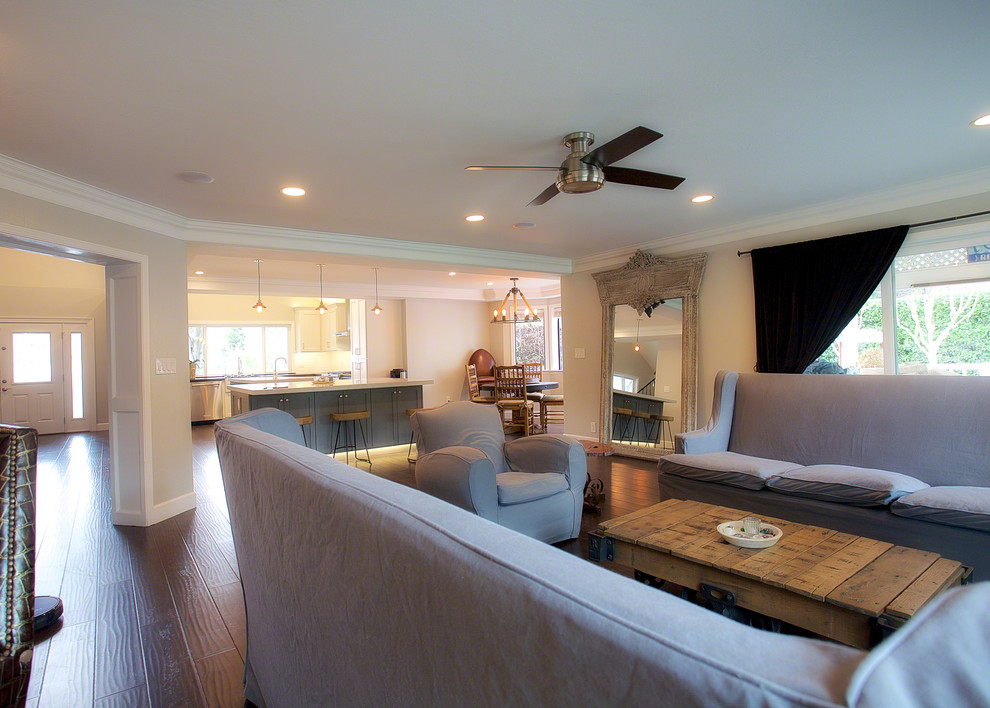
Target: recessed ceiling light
x,y
982,120
475,217
293,191
524,225
702,198
199,272
491,283
453,272
195,177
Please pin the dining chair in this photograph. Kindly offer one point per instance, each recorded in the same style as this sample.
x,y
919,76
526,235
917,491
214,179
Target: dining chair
x,y
510,395
474,388
534,372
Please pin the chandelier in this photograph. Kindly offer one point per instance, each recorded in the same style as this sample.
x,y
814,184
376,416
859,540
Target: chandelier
x,y
503,316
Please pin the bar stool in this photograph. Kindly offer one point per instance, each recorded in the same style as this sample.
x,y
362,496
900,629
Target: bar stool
x,y
661,420
623,416
355,418
303,422
637,418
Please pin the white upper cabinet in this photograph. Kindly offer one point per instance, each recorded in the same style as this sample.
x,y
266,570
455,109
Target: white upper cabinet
x,y
319,333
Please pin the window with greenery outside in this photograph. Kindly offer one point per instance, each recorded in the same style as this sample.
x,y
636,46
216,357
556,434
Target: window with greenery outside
x,y
529,344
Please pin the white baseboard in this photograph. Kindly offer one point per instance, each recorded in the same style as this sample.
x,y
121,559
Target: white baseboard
x,y
159,512
172,507
101,427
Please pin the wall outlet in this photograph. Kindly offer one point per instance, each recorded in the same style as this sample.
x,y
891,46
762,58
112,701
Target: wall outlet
x,y
165,366
448,399
594,427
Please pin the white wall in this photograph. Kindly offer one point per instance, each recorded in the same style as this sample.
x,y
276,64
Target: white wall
x,y
440,336
36,285
170,435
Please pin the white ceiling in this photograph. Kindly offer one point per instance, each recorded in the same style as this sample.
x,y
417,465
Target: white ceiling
x,y
777,107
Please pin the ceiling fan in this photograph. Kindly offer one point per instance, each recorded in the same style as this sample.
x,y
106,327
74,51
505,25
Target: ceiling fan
x,y
584,171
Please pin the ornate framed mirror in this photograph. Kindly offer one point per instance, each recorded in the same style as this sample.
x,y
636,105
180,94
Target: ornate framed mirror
x,y
652,287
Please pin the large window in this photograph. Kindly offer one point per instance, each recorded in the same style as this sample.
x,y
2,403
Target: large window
x,y
541,340
221,350
930,315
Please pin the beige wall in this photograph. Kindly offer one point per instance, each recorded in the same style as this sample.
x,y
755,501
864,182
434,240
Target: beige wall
x,y
171,439
582,317
386,337
35,285
440,336
669,377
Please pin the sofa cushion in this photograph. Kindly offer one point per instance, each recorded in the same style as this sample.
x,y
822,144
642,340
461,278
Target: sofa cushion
x,y
845,484
726,468
519,487
968,507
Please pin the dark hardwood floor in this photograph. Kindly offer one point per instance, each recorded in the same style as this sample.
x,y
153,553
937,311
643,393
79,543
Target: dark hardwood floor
x,y
155,616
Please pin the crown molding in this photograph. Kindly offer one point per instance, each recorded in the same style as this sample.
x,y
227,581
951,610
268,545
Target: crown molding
x,y
31,181
28,180
956,186
225,233
331,289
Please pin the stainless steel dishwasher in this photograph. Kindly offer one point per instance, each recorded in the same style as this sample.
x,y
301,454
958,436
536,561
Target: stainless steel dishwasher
x,y
206,399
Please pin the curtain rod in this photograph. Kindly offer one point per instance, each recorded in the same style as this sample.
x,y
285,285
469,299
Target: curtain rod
x,y
914,226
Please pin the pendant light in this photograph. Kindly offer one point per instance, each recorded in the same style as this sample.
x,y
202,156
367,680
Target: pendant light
x,y
259,306
322,309
636,348
377,309
501,315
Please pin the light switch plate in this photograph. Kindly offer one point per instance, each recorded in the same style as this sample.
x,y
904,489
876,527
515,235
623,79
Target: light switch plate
x,y
165,366
579,353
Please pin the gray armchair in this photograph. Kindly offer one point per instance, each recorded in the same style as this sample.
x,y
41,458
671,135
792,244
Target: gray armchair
x,y
534,485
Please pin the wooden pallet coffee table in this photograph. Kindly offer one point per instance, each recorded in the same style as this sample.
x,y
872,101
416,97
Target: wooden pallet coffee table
x,y
844,587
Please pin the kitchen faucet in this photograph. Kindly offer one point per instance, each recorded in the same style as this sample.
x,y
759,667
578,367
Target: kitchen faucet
x,y
275,366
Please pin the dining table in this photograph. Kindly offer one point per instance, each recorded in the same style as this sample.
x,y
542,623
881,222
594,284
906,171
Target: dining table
x,y
531,386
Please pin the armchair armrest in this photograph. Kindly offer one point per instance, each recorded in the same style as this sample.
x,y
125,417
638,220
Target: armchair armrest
x,y
549,453
714,437
462,476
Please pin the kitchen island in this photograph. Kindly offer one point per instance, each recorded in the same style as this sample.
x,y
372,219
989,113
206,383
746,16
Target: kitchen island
x,y
385,399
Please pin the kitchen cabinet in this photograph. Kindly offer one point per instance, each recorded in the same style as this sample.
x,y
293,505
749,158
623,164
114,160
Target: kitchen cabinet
x,y
389,422
327,402
386,400
298,405
319,333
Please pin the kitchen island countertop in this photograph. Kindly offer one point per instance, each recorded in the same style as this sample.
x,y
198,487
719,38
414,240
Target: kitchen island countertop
x,y
261,389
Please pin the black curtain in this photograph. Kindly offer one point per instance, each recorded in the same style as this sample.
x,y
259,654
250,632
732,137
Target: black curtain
x,y
806,293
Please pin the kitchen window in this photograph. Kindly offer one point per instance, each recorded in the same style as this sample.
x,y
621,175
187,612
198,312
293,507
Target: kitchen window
x,y
221,350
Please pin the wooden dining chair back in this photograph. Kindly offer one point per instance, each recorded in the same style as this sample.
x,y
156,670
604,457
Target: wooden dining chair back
x,y
474,388
510,394
533,371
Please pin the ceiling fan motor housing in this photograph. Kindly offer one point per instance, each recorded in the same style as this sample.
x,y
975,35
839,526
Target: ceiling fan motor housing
x,y
574,175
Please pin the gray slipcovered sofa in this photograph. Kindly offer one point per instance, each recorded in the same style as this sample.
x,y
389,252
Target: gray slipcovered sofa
x,y
903,459
363,592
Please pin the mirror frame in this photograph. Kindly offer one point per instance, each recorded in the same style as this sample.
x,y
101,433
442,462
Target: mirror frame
x,y
640,283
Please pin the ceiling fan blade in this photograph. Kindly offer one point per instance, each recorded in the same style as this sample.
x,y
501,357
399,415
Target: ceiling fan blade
x,y
545,196
510,167
641,178
622,146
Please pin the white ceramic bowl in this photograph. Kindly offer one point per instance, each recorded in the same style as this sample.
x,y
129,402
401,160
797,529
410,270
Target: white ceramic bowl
x,y
732,531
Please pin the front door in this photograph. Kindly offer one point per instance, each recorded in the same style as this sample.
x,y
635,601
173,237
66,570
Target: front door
x,y
31,385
